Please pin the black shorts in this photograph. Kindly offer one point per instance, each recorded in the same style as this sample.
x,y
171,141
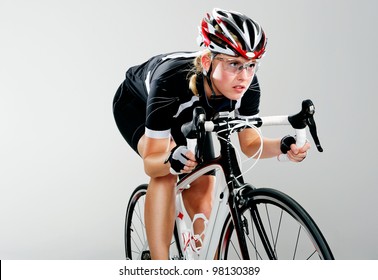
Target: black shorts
x,y
130,116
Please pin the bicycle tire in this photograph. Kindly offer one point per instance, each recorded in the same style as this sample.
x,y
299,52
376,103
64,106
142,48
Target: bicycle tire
x,y
264,218
136,245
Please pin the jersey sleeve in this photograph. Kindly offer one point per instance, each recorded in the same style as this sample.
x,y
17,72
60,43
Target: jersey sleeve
x,y
161,107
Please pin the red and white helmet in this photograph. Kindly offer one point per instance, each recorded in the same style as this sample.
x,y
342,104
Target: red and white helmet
x,y
251,39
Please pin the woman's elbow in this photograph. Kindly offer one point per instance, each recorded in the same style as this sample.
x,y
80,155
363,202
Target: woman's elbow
x,y
246,151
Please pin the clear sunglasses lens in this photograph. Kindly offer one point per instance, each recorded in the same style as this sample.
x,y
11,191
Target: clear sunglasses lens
x,y
250,67
237,67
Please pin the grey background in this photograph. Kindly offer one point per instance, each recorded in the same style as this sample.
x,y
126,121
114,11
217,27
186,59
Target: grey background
x,y
66,173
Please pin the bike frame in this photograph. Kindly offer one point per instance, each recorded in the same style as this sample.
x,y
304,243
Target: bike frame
x,y
230,191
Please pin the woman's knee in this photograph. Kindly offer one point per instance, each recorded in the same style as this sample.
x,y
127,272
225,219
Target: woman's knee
x,y
167,180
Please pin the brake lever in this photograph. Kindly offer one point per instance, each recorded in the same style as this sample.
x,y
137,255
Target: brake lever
x,y
306,118
312,127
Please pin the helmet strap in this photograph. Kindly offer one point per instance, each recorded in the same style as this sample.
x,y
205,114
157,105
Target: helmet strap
x,y
208,79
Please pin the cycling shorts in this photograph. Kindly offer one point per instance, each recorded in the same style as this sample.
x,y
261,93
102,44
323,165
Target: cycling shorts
x,y
130,116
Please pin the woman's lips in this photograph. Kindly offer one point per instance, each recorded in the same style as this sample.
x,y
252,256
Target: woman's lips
x,y
239,88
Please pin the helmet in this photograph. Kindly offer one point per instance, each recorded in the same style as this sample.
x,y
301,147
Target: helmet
x,y
232,33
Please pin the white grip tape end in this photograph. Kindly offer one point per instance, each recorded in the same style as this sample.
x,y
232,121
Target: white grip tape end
x,y
301,139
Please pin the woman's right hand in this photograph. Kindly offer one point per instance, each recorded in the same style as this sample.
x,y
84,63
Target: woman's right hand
x,y
182,160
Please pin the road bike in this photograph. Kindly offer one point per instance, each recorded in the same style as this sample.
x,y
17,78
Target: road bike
x,y
246,222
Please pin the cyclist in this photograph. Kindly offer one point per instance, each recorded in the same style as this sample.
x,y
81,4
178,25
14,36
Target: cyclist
x,y
158,96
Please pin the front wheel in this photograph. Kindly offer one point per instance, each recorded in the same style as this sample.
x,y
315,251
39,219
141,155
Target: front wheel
x,y
136,245
275,227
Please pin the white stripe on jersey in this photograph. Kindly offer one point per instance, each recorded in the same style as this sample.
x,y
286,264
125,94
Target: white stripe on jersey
x,y
147,82
184,55
186,105
158,134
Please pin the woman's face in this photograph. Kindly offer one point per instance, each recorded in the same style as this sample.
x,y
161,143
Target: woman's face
x,y
231,76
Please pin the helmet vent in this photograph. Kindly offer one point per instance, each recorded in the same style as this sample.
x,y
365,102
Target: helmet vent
x,y
222,13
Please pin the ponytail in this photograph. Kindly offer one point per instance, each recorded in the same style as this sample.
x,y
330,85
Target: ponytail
x,y
196,71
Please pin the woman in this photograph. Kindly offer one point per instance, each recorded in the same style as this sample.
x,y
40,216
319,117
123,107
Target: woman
x,y
158,96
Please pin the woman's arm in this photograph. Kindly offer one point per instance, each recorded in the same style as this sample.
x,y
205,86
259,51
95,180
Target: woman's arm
x,y
155,153
249,141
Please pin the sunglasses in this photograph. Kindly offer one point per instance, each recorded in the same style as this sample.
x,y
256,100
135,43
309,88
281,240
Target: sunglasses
x,y
234,66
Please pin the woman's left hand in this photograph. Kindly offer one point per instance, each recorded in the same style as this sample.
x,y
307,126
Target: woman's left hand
x,y
297,154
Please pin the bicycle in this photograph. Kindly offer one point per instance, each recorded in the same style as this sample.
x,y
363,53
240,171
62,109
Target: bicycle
x,y
246,222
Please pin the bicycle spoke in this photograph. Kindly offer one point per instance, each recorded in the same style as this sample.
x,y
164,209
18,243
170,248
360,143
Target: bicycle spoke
x,y
278,232
270,224
236,251
312,255
296,243
138,236
274,239
141,218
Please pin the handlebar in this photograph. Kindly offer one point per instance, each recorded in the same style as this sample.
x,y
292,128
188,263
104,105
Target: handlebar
x,y
195,130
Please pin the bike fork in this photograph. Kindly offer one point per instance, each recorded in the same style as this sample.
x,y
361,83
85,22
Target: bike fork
x,y
262,233
239,229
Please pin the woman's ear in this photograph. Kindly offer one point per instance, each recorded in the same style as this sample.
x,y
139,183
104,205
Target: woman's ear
x,y
206,62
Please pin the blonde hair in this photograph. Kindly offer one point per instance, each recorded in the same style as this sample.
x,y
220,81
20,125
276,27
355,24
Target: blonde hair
x,y
198,68
196,71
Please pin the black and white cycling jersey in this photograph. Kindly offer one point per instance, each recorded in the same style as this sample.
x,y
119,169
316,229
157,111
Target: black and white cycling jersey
x,y
162,86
